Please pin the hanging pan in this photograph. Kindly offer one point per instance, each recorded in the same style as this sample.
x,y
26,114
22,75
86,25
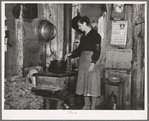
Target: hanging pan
x,y
45,30
75,21
16,11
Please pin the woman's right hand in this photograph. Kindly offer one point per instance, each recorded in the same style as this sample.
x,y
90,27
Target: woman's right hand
x,y
67,55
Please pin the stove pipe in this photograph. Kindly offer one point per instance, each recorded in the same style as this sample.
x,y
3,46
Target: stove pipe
x,y
67,33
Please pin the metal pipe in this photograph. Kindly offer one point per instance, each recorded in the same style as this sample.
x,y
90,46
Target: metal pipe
x,y
67,33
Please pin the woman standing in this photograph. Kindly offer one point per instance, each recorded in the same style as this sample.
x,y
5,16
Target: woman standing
x,y
88,81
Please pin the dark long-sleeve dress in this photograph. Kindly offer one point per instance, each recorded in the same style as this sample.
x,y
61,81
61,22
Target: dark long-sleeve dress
x,y
88,83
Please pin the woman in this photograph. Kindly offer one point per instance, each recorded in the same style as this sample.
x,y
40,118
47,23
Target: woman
x,y
88,82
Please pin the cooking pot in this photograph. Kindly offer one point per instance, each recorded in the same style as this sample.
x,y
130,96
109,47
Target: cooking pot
x,y
58,66
45,30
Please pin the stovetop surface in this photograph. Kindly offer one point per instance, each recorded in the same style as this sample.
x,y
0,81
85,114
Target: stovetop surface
x,y
50,74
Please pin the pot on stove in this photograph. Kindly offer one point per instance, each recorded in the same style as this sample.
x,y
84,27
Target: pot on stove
x,y
58,66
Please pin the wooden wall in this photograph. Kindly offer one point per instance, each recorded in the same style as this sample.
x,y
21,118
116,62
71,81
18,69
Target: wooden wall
x,y
130,57
11,54
31,46
53,13
138,62
93,11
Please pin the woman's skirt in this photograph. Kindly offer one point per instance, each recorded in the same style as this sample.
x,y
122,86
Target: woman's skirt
x,y
88,83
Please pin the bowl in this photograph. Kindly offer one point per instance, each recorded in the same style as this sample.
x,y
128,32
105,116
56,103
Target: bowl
x,y
114,79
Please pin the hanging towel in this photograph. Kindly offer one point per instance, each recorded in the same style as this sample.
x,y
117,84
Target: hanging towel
x,y
101,27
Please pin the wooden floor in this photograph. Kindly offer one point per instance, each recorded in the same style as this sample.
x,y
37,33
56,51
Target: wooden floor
x,y
79,103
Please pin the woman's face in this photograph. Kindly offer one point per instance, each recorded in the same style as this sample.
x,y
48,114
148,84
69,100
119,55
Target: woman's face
x,y
81,26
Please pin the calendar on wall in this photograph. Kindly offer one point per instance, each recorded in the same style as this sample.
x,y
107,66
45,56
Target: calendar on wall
x,y
119,33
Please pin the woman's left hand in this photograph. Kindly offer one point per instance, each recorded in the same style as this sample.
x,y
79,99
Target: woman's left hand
x,y
91,67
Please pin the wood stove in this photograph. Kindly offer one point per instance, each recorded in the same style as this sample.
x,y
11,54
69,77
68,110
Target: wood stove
x,y
56,89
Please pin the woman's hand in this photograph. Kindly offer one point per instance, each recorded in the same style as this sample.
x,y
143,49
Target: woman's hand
x,y
67,55
91,67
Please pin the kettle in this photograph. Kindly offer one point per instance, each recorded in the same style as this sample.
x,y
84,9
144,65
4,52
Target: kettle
x,y
112,101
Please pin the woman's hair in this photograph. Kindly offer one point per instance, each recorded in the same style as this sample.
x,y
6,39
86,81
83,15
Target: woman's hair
x,y
85,19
